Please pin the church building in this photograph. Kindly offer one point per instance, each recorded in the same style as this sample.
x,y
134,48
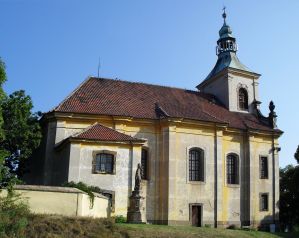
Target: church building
x,y
207,156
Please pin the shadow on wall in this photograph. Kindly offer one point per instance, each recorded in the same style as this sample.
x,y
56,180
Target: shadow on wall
x,y
267,221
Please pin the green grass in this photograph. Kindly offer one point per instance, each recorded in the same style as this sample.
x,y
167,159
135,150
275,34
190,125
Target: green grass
x,y
160,231
46,226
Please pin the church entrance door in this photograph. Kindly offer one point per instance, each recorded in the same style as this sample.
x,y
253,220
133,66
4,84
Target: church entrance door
x,y
196,215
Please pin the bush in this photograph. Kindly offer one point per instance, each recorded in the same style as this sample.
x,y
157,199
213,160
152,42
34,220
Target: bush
x,y
120,219
232,227
13,215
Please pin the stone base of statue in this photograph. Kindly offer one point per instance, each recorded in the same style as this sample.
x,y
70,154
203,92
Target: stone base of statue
x,y
136,210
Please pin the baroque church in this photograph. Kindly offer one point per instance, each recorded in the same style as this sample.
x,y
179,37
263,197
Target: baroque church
x,y
207,156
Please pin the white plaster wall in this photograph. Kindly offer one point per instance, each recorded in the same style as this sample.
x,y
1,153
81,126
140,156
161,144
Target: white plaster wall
x,y
100,208
219,88
81,170
234,83
262,148
225,88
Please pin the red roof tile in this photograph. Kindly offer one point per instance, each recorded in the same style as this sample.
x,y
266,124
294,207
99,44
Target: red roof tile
x,y
139,100
101,133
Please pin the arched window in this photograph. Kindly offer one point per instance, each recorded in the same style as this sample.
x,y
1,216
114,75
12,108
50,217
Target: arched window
x,y
103,163
243,99
196,165
232,169
144,162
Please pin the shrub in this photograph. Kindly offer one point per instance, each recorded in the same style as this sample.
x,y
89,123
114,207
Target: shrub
x,y
13,215
120,219
232,227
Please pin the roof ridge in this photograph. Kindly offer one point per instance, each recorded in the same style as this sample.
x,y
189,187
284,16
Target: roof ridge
x,y
149,84
105,127
83,130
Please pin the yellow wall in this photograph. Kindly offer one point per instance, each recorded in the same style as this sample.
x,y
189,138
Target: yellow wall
x,y
63,201
168,191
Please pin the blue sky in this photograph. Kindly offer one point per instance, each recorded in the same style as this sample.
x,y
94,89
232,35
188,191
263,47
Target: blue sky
x,y
50,47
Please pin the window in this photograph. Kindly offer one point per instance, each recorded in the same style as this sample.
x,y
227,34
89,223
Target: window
x,y
144,161
263,167
196,165
243,99
232,163
264,202
103,163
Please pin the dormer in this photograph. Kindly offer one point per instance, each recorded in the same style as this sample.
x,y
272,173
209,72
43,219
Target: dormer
x,y
235,85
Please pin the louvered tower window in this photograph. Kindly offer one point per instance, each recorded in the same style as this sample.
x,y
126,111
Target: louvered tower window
x,y
243,99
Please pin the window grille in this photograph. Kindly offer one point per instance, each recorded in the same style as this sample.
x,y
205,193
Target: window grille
x,y
232,164
104,163
144,163
196,165
264,202
263,167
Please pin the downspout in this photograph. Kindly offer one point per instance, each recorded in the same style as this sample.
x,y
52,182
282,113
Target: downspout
x,y
215,178
273,179
132,171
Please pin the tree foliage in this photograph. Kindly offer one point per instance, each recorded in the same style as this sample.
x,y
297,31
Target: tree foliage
x,y
5,176
19,132
289,194
21,129
296,155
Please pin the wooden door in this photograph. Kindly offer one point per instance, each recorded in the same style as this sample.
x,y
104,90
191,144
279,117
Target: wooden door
x,y
196,215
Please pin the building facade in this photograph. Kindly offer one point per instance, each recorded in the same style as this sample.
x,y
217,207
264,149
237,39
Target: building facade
x,y
208,156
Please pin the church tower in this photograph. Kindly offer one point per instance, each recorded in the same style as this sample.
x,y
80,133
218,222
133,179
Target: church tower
x,y
230,81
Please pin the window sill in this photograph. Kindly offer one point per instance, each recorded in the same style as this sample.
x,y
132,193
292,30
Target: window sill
x,y
264,210
196,182
103,173
233,185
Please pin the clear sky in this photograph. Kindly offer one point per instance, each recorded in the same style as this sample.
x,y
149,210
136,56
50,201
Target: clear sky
x,y
51,46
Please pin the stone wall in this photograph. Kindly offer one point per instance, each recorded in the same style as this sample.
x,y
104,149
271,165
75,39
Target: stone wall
x,y
62,201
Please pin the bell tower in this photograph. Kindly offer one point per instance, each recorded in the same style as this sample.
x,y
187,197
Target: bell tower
x,y
235,85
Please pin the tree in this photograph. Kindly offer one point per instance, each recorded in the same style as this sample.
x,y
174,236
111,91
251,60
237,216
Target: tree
x,y
289,194
21,129
296,155
5,176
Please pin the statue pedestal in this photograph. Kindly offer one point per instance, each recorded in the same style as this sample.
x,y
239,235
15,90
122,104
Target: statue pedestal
x,y
136,210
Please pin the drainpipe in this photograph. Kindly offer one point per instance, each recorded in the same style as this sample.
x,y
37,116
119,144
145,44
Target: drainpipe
x,y
216,179
273,179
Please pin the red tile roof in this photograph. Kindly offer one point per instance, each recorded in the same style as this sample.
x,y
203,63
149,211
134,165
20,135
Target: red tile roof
x,y
139,100
101,133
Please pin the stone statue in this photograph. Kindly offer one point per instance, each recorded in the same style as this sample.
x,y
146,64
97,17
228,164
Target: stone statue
x,y
137,178
136,209
272,115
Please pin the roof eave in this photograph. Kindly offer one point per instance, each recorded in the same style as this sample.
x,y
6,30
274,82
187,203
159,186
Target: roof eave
x,y
69,140
227,70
